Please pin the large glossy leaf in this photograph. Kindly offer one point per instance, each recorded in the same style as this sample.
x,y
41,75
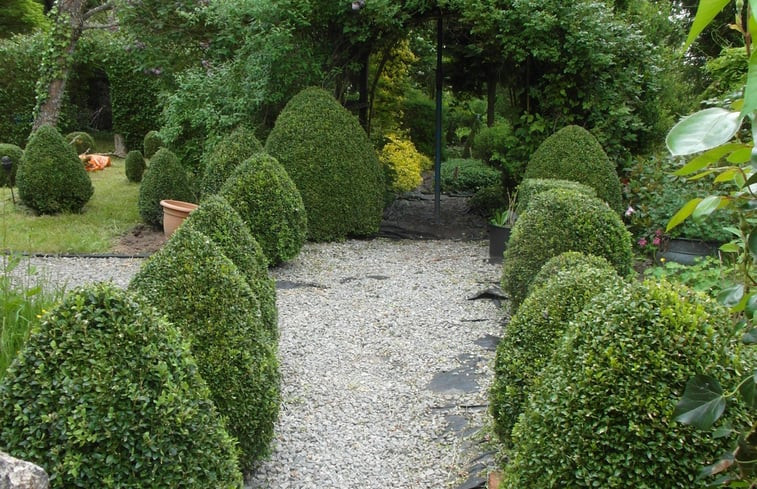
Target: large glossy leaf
x,y
709,156
750,91
750,309
702,402
752,243
706,11
703,130
748,391
731,296
707,206
683,213
724,463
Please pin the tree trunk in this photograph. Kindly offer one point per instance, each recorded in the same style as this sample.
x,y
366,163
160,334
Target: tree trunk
x,y
118,141
69,23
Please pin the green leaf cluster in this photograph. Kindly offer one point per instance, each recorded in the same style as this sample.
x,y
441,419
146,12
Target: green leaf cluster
x,y
331,161
557,221
270,205
20,57
134,166
572,153
221,160
107,394
15,153
165,179
468,175
216,219
601,413
51,178
567,282
205,295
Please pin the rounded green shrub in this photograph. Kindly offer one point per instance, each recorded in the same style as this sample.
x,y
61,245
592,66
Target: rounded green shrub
x,y
573,153
570,260
106,394
403,163
81,141
261,191
51,178
15,153
227,154
203,293
488,200
164,179
216,219
134,166
558,221
532,333
152,143
330,159
601,413
532,186
468,175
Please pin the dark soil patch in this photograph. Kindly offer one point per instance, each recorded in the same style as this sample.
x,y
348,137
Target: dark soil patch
x,y
411,216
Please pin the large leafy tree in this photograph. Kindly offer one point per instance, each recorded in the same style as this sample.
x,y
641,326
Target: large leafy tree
x,y
20,16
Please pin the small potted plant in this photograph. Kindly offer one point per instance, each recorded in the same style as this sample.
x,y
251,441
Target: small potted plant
x,y
499,229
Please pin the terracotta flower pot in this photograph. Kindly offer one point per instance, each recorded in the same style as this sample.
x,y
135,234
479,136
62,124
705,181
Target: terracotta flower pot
x,y
174,213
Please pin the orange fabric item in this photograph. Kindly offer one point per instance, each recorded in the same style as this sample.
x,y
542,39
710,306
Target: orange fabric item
x,y
95,162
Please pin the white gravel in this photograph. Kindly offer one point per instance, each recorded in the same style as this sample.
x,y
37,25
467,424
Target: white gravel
x,y
365,327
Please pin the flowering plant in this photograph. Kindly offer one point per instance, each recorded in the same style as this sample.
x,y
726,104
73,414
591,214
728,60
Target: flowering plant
x,y
650,243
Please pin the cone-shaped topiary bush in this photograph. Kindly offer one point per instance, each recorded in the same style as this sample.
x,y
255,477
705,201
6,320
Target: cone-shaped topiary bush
x,y
152,143
601,413
532,186
557,221
164,180
81,141
204,294
227,154
15,153
51,178
269,203
573,153
532,333
216,219
107,394
134,166
330,159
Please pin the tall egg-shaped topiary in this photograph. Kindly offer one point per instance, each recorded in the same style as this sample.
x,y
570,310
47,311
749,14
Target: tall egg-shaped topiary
x,y
152,143
202,292
532,333
557,221
134,166
573,153
330,159
225,156
601,413
15,154
107,394
51,177
270,204
165,179
216,219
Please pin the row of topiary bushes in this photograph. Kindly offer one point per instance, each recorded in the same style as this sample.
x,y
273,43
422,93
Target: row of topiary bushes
x,y
172,383
593,362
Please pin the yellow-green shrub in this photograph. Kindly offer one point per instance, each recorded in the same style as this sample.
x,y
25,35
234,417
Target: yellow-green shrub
x,y
403,163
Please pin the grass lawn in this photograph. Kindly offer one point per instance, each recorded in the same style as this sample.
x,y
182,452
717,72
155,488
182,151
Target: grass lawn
x,y
111,212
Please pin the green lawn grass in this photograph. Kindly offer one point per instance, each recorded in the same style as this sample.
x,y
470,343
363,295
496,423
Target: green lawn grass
x,y
111,212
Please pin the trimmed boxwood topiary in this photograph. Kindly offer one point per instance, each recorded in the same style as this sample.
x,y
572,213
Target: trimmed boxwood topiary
x,y
51,178
330,159
468,175
152,143
81,141
270,204
164,179
532,333
15,153
134,166
216,219
570,260
206,296
227,154
573,153
106,394
557,221
601,413
532,186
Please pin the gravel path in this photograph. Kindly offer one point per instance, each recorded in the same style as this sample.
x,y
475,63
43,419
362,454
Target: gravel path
x,y
385,361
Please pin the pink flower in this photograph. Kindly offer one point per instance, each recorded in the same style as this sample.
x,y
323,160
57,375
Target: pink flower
x,y
658,232
630,211
642,242
656,241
